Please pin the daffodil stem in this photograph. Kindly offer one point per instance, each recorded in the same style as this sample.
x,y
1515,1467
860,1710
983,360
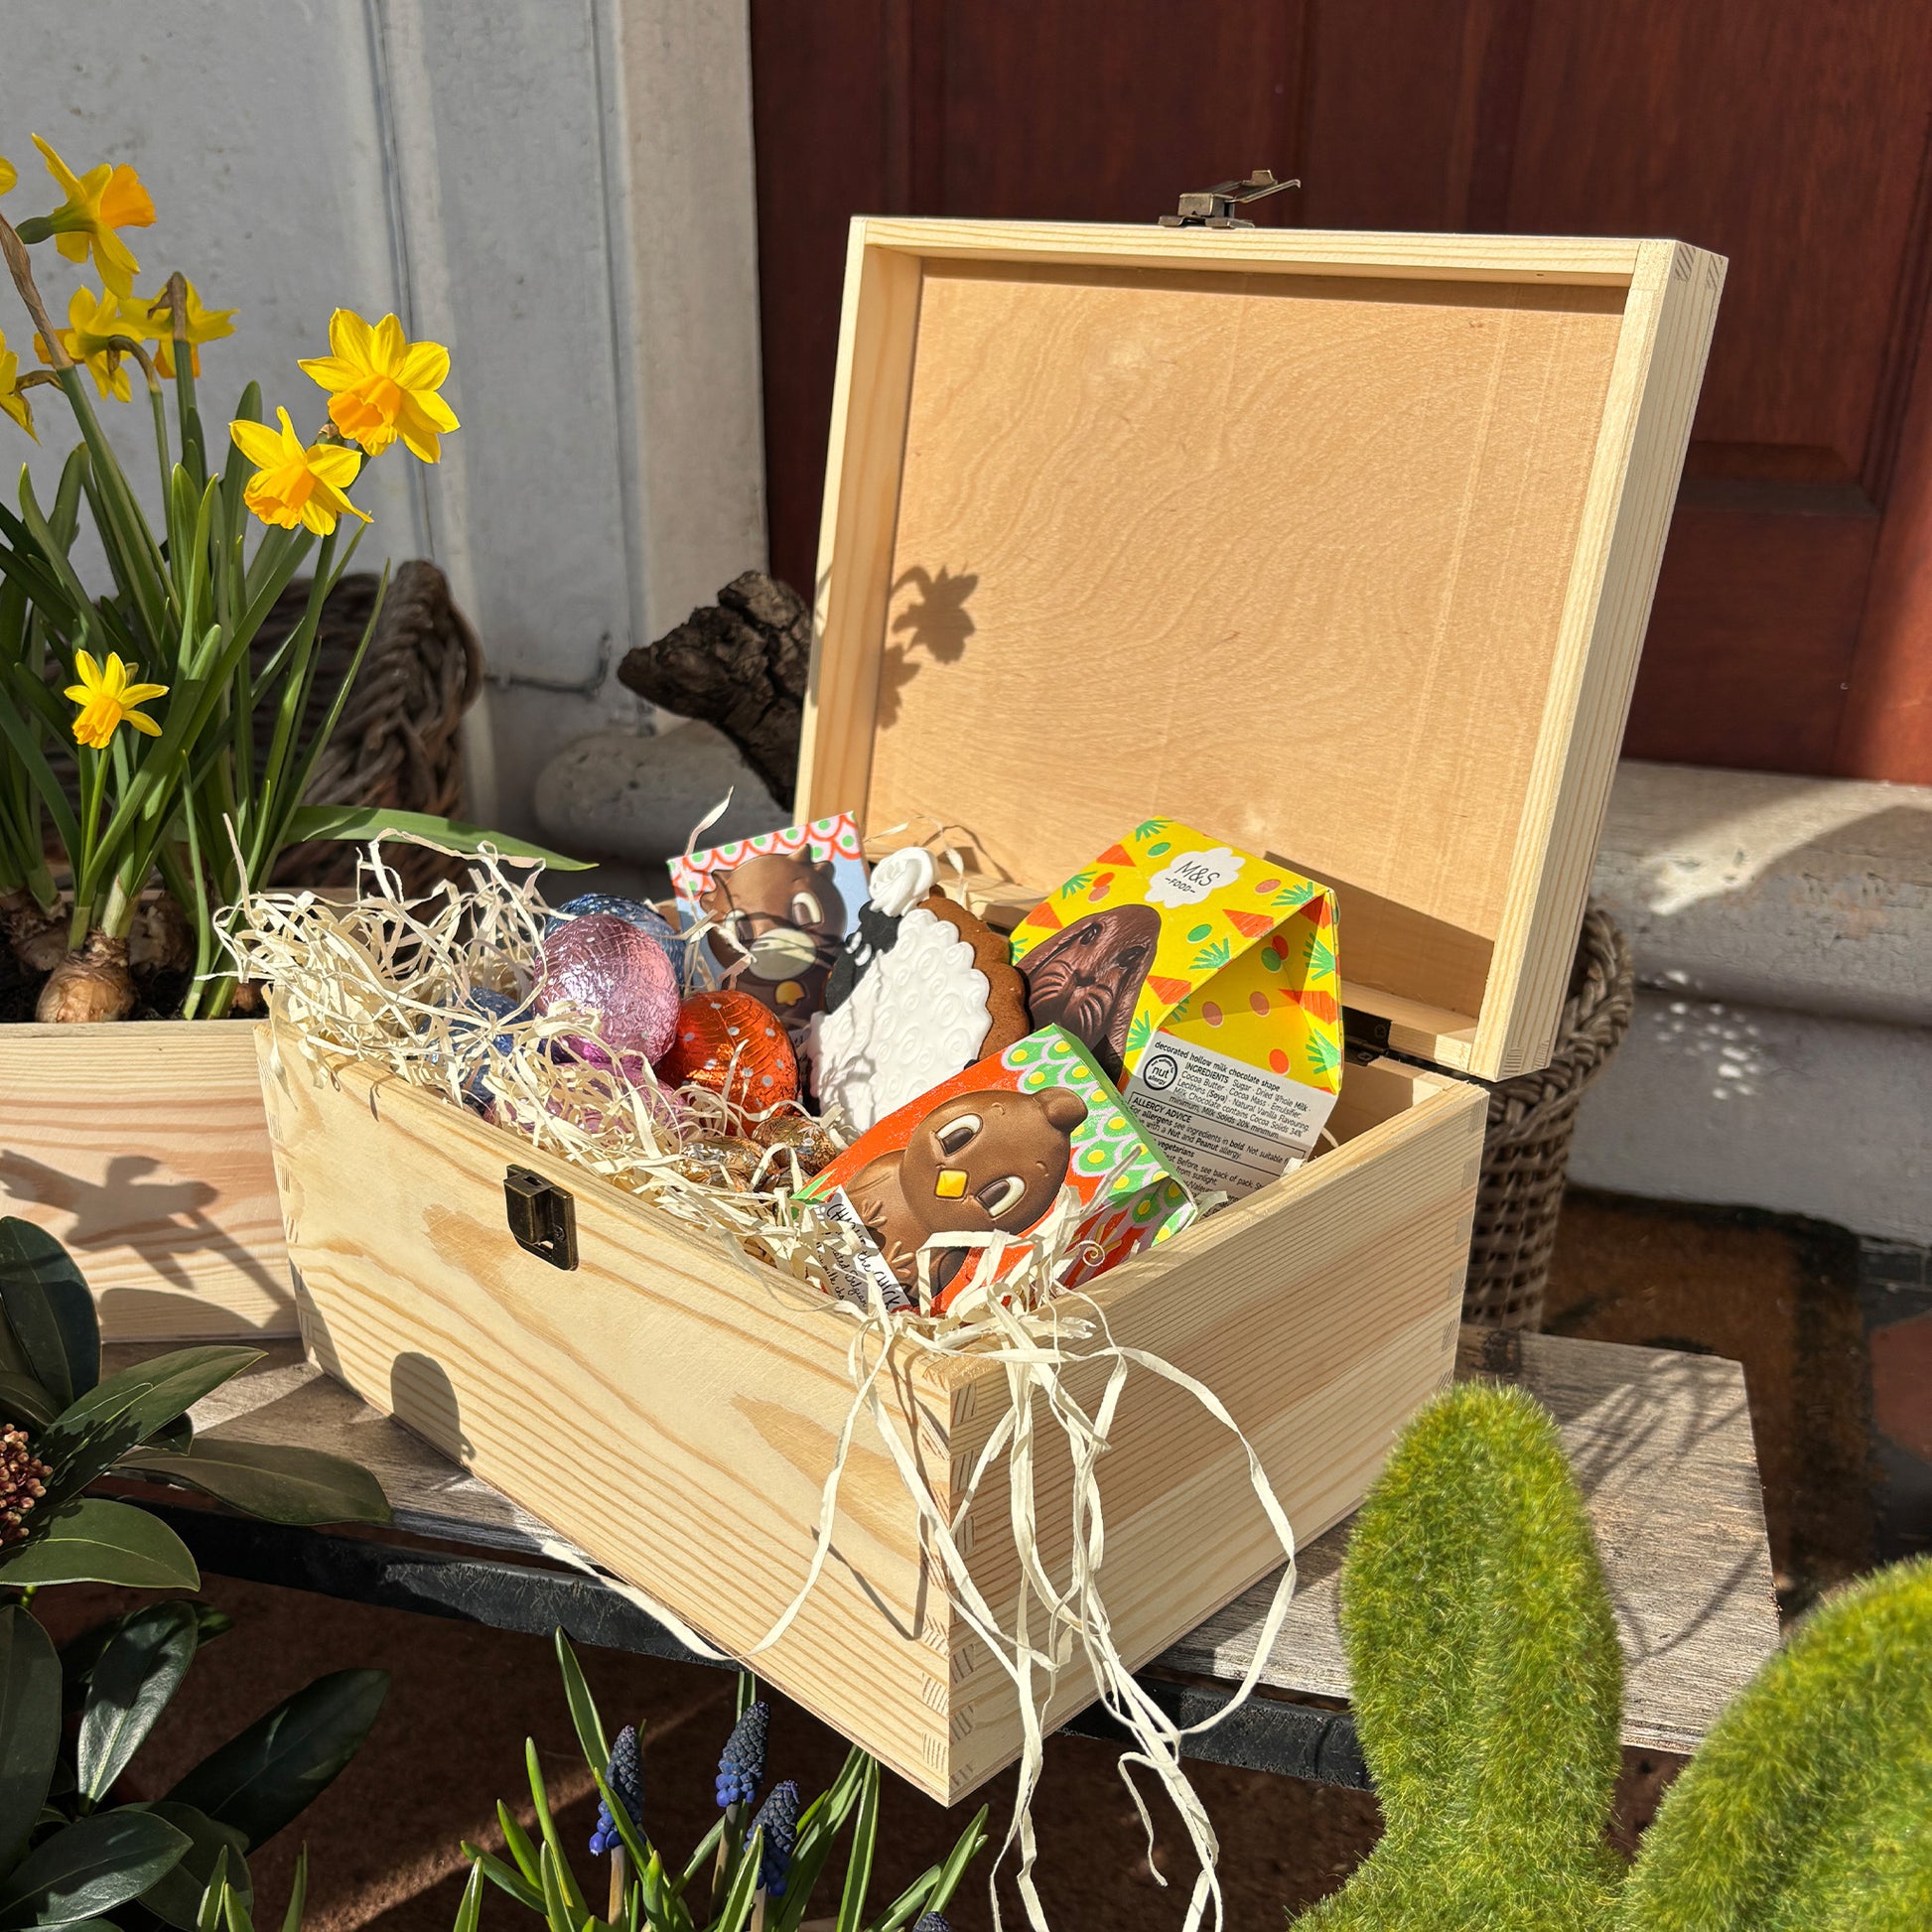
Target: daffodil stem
x,y
21,269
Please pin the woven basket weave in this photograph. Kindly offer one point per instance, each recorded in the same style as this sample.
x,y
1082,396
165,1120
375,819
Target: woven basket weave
x,y
398,742
1532,1119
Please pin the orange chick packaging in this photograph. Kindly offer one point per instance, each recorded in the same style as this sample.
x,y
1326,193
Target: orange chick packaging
x,y
994,1150
1205,980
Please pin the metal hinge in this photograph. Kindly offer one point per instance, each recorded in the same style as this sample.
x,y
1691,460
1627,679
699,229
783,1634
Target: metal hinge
x,y
542,1217
1364,1035
1213,208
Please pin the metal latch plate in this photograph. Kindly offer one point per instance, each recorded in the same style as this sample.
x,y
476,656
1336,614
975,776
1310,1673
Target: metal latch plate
x,y
542,1217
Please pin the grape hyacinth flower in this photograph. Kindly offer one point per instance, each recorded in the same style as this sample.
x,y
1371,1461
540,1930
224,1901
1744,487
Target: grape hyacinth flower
x,y
741,1770
933,1922
626,1777
778,1818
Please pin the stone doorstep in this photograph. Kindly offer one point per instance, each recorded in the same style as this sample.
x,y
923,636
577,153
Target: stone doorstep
x,y
1810,895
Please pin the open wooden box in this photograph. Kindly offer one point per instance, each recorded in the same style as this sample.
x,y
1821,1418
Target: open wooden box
x,y
140,1146
1338,546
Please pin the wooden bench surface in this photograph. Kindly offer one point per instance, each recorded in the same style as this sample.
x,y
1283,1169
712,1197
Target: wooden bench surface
x,y
1661,1442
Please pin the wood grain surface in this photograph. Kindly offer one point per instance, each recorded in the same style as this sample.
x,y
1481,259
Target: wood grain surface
x,y
1661,1442
668,1407
1339,547
141,1146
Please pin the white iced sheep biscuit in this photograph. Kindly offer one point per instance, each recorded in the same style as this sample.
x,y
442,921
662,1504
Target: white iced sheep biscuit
x,y
918,1015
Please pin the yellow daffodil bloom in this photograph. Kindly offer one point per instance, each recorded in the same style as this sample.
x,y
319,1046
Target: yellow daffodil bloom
x,y
98,204
381,386
12,402
203,326
108,700
93,324
8,174
296,485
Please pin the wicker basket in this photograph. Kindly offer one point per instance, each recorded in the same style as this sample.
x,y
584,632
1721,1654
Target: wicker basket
x,y
1527,1148
398,741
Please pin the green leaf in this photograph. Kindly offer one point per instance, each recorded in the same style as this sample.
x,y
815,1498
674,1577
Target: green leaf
x,y
138,1672
209,1917
175,1896
563,1903
96,1431
583,1707
79,1655
49,1310
279,1481
361,822
738,1900
499,1874
258,1781
517,1839
469,1915
954,1869
547,1825
857,1867
23,1400
89,1868
96,1541
30,1726
298,1894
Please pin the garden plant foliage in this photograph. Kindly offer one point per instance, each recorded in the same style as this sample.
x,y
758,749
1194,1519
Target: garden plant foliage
x,y
72,1853
1487,1687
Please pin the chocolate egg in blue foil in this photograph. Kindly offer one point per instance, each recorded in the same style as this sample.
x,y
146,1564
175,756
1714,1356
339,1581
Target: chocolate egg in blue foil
x,y
633,912
477,1009
602,967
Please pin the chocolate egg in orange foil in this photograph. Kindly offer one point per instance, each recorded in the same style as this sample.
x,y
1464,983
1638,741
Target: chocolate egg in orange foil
x,y
734,1045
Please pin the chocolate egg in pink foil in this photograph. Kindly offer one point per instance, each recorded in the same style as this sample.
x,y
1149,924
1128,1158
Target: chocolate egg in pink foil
x,y
621,981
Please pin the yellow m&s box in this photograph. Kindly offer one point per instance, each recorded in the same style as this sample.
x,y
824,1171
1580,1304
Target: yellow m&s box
x,y
1206,982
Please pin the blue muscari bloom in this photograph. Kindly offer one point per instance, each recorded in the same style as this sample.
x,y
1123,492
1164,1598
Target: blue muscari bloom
x,y
633,912
626,1777
778,1818
933,1922
742,1768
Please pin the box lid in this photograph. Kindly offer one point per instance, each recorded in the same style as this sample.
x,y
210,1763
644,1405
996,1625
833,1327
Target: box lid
x,y
1340,546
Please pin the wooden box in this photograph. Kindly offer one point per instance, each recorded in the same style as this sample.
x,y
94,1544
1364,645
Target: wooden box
x,y
140,1145
1340,546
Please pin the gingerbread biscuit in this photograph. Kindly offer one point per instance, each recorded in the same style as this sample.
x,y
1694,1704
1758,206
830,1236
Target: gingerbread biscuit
x,y
1006,997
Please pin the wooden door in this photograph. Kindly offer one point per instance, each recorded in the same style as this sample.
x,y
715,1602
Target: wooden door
x,y
1793,626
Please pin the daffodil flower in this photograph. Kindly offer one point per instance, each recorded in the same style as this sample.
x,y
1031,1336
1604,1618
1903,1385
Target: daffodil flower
x,y
8,174
12,401
93,324
293,485
98,204
382,385
107,699
203,326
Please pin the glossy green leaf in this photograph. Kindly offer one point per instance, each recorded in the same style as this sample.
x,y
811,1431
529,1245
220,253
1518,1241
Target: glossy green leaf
x,y
209,1917
23,1400
89,1868
139,1671
126,1408
98,1540
559,1892
79,1654
583,1707
30,1726
970,1842
359,823
258,1781
175,1896
49,1310
279,1481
